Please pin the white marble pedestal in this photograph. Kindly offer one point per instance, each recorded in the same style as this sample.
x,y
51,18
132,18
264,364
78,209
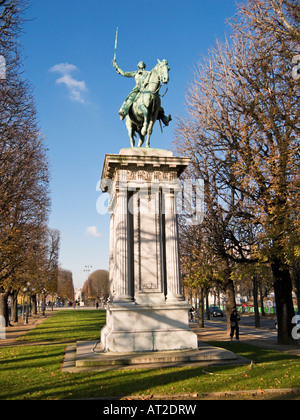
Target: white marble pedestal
x,y
147,311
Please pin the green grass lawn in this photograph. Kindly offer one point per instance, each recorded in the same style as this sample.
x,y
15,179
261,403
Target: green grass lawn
x,y
34,371
68,326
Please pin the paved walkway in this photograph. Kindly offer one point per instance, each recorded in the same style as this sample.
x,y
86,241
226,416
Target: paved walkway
x,y
19,329
217,332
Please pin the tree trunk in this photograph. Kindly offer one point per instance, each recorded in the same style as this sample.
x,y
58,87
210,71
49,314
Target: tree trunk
x,y
218,299
207,304
284,302
34,304
4,307
43,305
262,306
296,278
255,298
14,306
230,298
201,308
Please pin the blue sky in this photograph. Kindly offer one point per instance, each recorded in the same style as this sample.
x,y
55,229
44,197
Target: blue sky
x,y
68,49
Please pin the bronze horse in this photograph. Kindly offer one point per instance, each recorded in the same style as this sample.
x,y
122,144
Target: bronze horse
x,y
144,112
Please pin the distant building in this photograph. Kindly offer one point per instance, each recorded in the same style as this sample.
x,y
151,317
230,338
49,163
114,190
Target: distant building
x,y
78,296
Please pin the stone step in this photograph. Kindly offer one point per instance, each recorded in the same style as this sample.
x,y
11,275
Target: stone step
x,y
90,354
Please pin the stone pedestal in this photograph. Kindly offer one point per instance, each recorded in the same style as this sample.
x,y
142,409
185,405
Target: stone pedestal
x,y
147,311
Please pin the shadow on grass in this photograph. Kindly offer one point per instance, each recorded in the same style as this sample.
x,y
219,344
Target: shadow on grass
x,y
251,352
36,374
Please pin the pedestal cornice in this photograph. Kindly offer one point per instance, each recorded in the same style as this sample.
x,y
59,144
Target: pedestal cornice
x,y
153,160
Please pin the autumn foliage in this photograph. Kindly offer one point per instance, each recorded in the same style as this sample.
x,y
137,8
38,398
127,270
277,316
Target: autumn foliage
x,y
242,135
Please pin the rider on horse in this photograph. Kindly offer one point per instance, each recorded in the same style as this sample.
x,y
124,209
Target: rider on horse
x,y
142,79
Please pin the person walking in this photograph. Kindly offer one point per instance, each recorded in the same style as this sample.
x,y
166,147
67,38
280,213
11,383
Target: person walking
x,y
235,327
192,313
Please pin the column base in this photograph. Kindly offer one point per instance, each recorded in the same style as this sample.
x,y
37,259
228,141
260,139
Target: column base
x,y
123,299
147,328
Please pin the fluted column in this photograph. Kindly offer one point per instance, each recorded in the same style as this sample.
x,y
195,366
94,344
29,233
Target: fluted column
x,y
121,274
111,256
172,249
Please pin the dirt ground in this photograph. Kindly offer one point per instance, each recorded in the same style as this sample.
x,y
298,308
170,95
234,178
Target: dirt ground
x,y
16,330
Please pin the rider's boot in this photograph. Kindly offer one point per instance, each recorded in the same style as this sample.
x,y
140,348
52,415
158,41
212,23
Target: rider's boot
x,y
166,120
162,116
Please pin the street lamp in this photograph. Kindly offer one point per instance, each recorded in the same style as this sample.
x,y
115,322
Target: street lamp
x,y
87,270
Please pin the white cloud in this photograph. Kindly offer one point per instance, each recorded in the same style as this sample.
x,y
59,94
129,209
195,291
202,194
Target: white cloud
x,y
63,68
76,88
92,231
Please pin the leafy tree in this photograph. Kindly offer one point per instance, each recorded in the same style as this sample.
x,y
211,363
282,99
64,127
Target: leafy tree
x,y
96,287
243,131
24,199
65,287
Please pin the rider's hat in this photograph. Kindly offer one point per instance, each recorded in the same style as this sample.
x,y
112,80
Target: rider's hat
x,y
141,65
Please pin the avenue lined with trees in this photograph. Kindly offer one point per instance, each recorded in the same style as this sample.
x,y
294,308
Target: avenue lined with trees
x,y
29,249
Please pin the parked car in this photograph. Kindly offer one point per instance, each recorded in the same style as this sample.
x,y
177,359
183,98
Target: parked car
x,y
216,311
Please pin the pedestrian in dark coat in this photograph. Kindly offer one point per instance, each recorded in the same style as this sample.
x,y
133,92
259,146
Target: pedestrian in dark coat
x,y
235,327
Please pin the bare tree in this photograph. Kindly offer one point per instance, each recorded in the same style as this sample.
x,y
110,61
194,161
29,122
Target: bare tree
x,y
244,127
24,196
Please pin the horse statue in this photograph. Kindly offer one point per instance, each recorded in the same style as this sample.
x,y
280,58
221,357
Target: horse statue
x,y
142,108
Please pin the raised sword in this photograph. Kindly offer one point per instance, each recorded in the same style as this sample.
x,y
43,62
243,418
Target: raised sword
x,y
116,45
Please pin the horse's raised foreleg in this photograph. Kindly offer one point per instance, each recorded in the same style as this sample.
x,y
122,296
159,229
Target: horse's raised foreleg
x,y
144,111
